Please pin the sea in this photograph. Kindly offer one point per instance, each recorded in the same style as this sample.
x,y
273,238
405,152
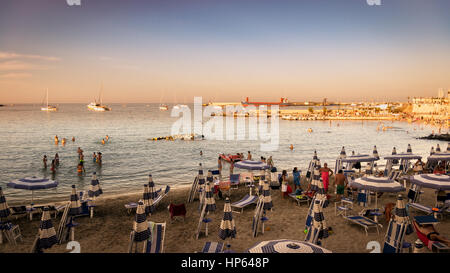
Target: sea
x,y
27,134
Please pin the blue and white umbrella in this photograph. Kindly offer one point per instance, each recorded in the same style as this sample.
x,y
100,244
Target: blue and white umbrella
x,y
438,148
251,165
409,149
375,152
321,195
151,187
400,213
4,209
75,204
140,225
32,184
394,151
377,184
227,226
47,233
315,179
147,201
316,159
432,151
94,190
318,229
267,199
286,246
439,157
209,198
433,181
201,179
448,147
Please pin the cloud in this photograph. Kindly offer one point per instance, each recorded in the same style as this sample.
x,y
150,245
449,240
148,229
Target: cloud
x,y
15,65
15,75
12,55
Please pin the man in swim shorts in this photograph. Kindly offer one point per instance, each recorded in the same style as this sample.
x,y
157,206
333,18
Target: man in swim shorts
x,y
325,172
340,182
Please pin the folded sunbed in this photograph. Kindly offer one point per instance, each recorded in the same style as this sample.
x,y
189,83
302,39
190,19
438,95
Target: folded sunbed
x,y
241,204
133,205
212,247
365,222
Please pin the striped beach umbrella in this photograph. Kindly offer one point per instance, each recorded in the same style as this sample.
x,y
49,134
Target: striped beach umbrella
x,y
438,148
201,179
342,155
94,190
409,149
432,150
377,184
140,226
151,188
47,233
286,246
433,181
394,151
318,229
448,147
75,204
375,152
227,226
4,209
315,179
401,215
321,195
146,200
267,199
209,198
251,165
32,183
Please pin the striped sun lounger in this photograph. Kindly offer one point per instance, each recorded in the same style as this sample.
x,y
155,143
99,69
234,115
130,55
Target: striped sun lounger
x,y
365,222
212,247
247,200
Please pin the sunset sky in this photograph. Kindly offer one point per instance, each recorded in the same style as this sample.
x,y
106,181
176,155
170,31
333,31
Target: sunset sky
x,y
223,50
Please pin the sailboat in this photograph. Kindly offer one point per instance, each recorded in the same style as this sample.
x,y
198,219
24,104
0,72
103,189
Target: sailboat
x,y
98,106
163,106
49,108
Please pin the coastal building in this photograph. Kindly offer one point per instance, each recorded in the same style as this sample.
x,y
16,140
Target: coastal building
x,y
432,106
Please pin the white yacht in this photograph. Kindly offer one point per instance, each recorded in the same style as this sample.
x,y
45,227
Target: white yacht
x,y
49,108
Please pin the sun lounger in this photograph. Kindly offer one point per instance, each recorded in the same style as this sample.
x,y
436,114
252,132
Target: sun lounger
x,y
365,222
18,211
343,207
156,245
434,246
133,205
212,247
393,242
300,198
241,204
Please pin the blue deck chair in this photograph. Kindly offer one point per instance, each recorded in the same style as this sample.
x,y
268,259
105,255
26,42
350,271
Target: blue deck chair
x,y
234,180
156,245
365,222
247,200
393,241
212,247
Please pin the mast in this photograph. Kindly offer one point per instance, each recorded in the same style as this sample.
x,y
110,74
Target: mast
x,y
47,97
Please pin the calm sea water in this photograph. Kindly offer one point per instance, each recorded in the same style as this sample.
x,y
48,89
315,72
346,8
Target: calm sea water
x,y
27,134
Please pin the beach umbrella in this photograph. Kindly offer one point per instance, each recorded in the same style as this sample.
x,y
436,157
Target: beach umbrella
x,y
47,233
315,179
432,150
433,181
315,158
209,198
377,184
400,213
438,148
227,226
342,155
94,190
321,195
146,200
4,209
32,184
267,199
286,246
75,204
409,149
375,152
448,147
251,165
140,225
201,179
151,187
394,151
318,229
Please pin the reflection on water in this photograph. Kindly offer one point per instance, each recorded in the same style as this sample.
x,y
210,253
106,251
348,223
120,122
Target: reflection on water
x,y
129,157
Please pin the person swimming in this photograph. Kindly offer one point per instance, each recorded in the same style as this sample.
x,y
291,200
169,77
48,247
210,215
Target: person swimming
x,y
57,159
45,161
94,157
103,141
107,138
73,139
291,147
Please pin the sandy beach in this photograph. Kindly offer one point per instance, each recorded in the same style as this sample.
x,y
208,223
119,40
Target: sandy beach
x,y
109,230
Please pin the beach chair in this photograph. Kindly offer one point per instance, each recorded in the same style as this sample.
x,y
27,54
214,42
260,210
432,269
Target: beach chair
x,y
300,198
131,206
343,207
365,222
212,247
12,232
18,211
241,204
434,246
234,180
156,245
395,234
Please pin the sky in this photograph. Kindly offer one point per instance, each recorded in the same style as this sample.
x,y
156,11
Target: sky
x,y
223,50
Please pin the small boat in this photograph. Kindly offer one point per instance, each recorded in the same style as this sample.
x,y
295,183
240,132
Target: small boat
x,y
163,107
98,106
49,108
229,157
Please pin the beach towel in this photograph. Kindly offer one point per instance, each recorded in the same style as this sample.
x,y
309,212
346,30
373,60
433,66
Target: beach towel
x,y
177,210
288,190
325,180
